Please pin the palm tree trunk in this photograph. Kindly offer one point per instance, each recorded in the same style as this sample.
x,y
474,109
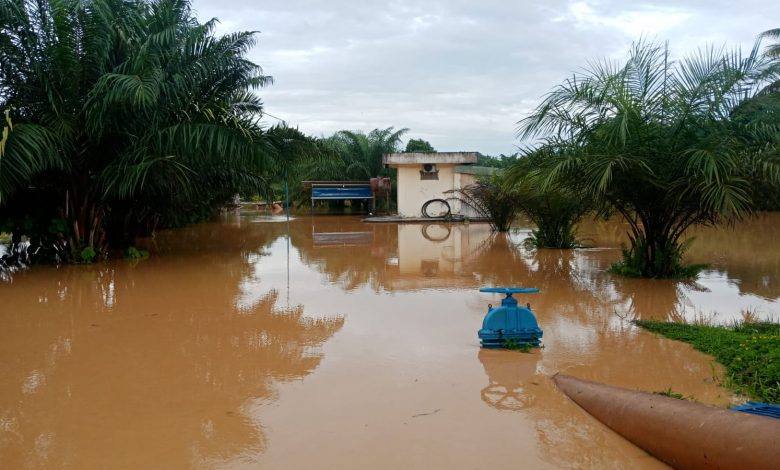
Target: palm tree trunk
x,y
85,218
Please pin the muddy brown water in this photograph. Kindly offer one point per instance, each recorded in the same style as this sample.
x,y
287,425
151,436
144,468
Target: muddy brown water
x,y
329,343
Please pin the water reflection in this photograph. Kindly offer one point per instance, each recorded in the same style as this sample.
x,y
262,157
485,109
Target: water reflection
x,y
509,377
565,435
432,256
220,350
745,255
148,365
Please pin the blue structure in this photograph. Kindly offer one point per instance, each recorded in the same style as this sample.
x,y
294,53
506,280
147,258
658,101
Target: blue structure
x,y
762,409
509,322
341,192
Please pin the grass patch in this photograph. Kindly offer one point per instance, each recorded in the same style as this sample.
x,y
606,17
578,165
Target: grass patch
x,y
667,263
671,394
625,269
515,345
749,351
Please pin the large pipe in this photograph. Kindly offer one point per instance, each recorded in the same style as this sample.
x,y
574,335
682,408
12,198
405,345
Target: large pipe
x,y
682,433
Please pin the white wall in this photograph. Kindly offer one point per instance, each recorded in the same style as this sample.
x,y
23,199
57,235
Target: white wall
x,y
414,192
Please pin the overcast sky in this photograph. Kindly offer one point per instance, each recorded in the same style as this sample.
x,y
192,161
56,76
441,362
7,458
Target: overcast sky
x,y
457,73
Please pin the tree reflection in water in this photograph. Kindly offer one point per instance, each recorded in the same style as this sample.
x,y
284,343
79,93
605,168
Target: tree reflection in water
x,y
437,255
150,364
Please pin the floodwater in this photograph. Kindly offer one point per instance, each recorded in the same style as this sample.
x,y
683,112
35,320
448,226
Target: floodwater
x,y
329,343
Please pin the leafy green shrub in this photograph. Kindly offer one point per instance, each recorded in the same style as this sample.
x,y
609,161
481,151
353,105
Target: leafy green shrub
x,y
556,214
88,254
666,262
134,253
554,209
491,199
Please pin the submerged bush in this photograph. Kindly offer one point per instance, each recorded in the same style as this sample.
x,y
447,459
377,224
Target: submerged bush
x,y
88,254
667,262
555,217
556,214
134,253
554,209
491,199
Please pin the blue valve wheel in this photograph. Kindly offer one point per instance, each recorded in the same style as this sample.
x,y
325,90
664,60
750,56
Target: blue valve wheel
x,y
510,290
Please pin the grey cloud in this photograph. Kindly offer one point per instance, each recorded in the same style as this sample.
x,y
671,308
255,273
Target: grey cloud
x,y
459,73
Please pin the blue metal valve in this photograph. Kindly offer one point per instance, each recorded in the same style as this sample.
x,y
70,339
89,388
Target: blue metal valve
x,y
509,323
510,290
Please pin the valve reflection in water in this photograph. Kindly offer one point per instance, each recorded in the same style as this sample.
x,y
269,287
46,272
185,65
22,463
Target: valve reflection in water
x,y
509,374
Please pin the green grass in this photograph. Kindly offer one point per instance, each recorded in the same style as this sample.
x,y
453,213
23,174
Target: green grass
x,y
667,263
671,394
749,351
690,271
517,346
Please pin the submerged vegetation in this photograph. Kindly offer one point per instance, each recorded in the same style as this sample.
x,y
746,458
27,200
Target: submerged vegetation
x,y
750,352
671,394
514,345
665,144
553,208
491,199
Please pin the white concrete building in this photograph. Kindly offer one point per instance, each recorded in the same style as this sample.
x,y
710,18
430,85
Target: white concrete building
x,y
426,176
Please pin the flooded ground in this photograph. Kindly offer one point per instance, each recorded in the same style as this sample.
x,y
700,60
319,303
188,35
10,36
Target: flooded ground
x,y
329,343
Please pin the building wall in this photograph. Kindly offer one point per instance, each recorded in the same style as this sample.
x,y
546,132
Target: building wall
x,y
461,181
414,192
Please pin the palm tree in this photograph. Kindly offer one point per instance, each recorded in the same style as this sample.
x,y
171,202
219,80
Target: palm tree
x,y
362,153
772,52
662,144
299,157
124,113
491,199
554,209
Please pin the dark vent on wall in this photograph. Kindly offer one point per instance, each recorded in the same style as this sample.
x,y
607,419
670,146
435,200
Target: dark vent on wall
x,y
429,172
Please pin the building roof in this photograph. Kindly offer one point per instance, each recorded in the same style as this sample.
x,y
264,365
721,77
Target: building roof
x,y
421,158
476,170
